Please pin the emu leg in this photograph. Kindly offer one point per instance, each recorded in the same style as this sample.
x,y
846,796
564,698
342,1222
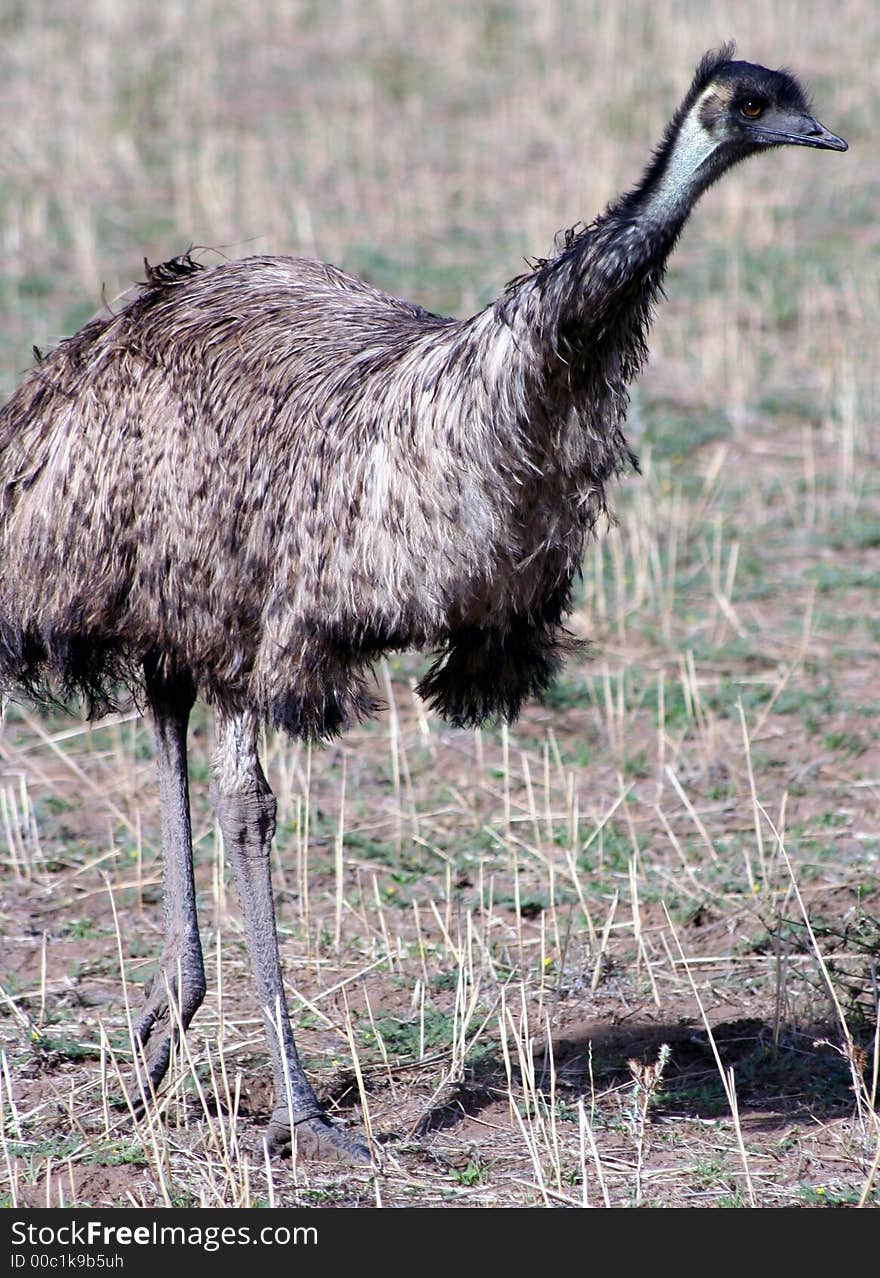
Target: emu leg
x,y
181,968
245,809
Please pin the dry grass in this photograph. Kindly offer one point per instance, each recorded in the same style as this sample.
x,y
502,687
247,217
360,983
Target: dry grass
x,y
624,953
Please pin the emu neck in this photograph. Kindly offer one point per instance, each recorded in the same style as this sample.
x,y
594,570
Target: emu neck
x,y
605,280
684,167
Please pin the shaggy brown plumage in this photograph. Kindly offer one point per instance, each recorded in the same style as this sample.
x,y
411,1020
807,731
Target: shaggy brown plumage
x,y
270,473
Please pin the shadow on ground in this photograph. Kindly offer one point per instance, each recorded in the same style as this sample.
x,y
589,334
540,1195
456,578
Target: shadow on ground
x,y
802,1076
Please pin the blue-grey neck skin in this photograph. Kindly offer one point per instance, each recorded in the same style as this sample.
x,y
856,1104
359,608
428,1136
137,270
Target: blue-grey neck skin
x,y
693,163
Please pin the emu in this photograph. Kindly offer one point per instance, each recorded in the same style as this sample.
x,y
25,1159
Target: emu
x,y
257,478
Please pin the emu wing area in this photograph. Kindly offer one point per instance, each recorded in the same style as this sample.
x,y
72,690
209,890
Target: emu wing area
x,y
264,473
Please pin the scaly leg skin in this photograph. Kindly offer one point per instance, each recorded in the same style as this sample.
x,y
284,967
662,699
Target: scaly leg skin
x,y
181,968
245,809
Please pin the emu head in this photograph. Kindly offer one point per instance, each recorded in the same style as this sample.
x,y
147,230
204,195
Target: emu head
x,y
732,110
746,108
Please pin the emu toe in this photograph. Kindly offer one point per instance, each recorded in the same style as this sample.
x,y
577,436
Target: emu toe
x,y
153,1057
157,1027
318,1140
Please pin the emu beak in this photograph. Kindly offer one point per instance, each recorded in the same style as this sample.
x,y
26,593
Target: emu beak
x,y
801,130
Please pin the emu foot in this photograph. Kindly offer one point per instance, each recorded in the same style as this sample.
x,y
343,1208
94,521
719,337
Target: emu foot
x,y
318,1139
157,1026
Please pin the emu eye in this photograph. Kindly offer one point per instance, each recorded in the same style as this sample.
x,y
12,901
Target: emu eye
x,y
752,109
